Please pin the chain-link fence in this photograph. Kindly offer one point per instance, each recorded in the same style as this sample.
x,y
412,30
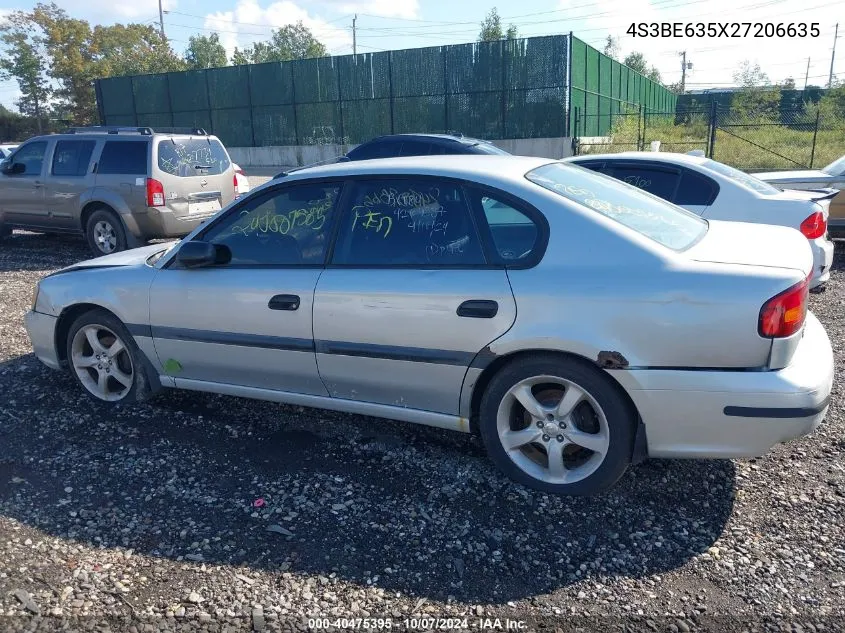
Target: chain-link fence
x,y
495,90
739,136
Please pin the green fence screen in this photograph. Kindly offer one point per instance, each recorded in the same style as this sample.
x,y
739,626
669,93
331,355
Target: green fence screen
x,y
525,88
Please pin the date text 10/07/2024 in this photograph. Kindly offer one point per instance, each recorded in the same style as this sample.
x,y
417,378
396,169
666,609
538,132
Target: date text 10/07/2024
x,y
417,624
724,29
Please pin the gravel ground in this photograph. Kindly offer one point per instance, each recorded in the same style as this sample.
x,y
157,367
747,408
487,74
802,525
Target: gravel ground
x,y
150,512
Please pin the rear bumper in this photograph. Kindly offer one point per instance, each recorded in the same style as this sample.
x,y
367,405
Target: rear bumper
x,y
41,329
726,414
822,260
163,222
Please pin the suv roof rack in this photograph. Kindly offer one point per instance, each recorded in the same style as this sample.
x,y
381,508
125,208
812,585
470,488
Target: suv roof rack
x,y
144,131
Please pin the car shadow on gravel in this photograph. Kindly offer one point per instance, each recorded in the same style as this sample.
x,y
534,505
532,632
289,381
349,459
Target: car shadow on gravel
x,y
41,251
262,487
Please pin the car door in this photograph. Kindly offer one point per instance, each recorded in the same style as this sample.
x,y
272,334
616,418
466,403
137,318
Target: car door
x,y
22,194
67,179
247,322
409,298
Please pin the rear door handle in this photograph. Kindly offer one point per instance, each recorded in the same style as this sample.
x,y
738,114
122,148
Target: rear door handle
x,y
478,309
284,302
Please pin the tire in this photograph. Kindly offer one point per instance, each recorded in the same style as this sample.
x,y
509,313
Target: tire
x,y
104,233
124,371
602,418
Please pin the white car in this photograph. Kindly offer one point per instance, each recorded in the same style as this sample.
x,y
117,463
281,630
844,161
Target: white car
x,y
832,176
6,151
241,181
716,191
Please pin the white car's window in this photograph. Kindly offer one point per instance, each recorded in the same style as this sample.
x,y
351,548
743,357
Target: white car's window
x,y
746,180
836,168
514,233
657,219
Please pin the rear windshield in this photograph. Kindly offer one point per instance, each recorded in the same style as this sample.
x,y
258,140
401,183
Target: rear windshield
x,y
836,168
747,180
649,215
488,148
192,157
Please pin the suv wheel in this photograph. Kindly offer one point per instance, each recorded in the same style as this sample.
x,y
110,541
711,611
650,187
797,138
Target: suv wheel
x,y
104,232
557,425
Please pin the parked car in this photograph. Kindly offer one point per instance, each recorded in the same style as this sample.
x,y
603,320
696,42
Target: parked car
x,y
394,145
241,181
717,191
573,321
119,187
6,151
832,176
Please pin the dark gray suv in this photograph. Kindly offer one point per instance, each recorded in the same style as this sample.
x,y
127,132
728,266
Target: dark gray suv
x,y
119,187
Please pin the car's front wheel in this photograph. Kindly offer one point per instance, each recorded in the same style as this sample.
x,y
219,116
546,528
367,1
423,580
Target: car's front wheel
x,y
558,425
105,360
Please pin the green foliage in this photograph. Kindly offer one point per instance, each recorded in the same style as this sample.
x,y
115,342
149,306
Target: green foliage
x,y
492,31
23,60
205,52
294,41
757,97
637,61
611,48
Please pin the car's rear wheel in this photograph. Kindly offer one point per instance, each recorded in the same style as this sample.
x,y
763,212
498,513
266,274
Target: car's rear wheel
x,y
105,360
558,425
104,232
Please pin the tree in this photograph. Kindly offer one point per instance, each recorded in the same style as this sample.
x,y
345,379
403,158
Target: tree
x,y
637,61
611,47
23,60
757,97
205,52
491,28
294,41
788,84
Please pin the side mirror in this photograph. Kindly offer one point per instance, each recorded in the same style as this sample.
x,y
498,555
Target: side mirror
x,y
14,168
201,254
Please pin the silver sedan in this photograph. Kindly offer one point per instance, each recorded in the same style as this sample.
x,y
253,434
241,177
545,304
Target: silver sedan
x,y
575,322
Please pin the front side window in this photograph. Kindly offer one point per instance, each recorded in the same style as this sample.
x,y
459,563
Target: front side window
x,y
31,156
658,220
192,157
657,181
71,158
127,158
283,227
746,180
407,222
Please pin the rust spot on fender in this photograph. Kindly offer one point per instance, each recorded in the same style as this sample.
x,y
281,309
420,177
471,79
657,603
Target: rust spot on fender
x,y
612,360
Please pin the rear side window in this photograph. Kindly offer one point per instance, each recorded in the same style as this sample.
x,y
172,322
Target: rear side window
x,y
377,149
660,221
71,158
186,157
514,234
696,189
416,148
124,157
657,181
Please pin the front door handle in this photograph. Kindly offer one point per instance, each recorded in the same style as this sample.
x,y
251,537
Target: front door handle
x,y
284,302
478,309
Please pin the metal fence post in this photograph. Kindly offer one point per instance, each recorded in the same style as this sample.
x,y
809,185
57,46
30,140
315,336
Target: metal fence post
x,y
815,132
340,103
390,86
293,101
714,121
641,123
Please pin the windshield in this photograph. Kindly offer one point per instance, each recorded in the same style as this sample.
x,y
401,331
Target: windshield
x,y
648,215
192,157
836,168
746,180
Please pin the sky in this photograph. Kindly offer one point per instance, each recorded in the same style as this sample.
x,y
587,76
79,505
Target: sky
x,y
397,24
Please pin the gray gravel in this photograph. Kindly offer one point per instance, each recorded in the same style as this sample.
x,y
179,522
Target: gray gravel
x,y
150,511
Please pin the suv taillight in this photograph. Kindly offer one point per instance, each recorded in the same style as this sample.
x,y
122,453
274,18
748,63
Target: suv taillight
x,y
235,183
814,226
155,193
784,314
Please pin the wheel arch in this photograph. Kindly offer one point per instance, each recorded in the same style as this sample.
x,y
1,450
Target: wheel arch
x,y
66,318
640,452
120,211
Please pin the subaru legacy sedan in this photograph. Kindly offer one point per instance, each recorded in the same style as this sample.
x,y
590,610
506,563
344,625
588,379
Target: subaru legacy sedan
x,y
576,323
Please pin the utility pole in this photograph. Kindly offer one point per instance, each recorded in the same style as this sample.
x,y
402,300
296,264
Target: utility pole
x,y
807,74
684,67
833,56
161,20
354,42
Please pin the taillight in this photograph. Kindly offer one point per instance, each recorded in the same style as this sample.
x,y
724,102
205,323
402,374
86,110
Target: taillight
x,y
235,183
155,193
784,314
814,226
